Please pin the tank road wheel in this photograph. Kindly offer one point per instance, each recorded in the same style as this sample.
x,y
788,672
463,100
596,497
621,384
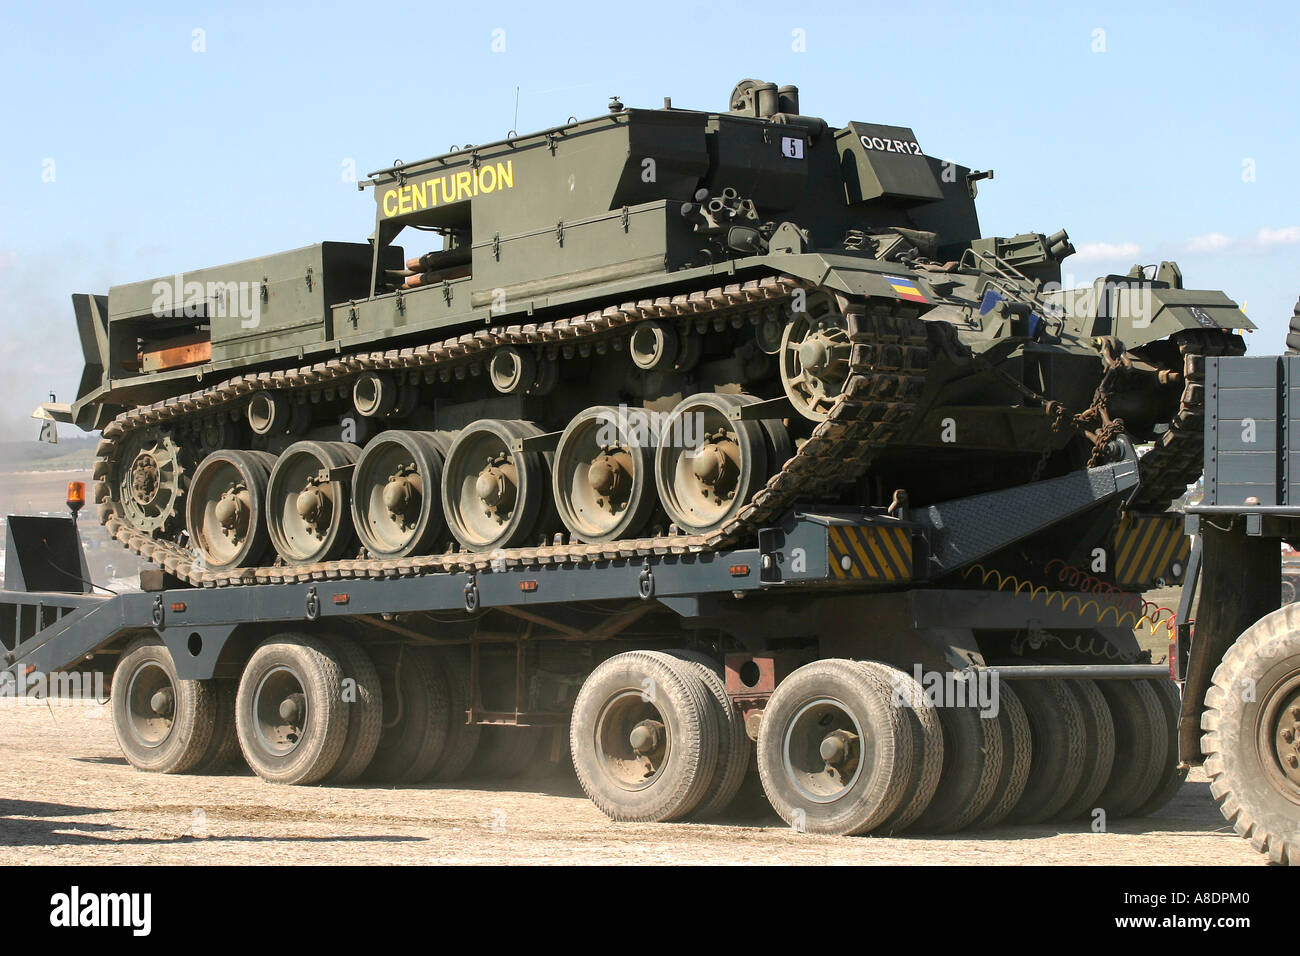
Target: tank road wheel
x,y
1140,743
308,515
1059,743
492,496
149,481
927,749
834,753
1252,747
814,355
289,710
397,493
644,738
1172,775
1017,757
362,697
972,767
163,724
225,513
603,477
415,716
707,467
1098,753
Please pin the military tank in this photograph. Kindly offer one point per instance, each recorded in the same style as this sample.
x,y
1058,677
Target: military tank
x,y
655,330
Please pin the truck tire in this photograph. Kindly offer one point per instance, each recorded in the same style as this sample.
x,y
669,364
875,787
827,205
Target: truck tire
x,y
224,746
1172,776
927,745
1017,757
163,724
1139,745
415,716
644,738
734,747
504,752
289,710
1058,741
365,706
462,738
834,753
1249,745
972,765
1098,750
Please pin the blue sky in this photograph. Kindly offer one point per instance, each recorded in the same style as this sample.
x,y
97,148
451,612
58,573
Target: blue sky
x,y
1148,131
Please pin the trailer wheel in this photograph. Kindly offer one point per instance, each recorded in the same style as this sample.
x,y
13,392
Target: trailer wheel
x,y
972,766
363,700
289,710
163,724
834,752
1059,740
504,752
224,746
1252,747
1098,751
415,717
644,738
927,749
462,738
1172,775
1139,745
1017,756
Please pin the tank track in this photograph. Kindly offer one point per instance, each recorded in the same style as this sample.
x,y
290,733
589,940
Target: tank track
x,y
889,360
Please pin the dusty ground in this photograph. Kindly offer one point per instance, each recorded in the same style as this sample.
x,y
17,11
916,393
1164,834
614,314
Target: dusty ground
x,y
67,796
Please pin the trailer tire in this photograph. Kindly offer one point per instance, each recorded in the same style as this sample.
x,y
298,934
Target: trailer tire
x,y
651,698
503,752
462,737
1017,757
1245,741
1098,750
163,724
1139,746
224,746
365,711
927,745
972,766
1059,740
838,707
289,710
415,717
1172,775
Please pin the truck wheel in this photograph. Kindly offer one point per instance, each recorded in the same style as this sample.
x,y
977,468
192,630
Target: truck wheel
x,y
363,700
289,710
927,745
163,724
1252,747
224,746
644,738
504,752
1098,751
734,748
462,738
1017,756
834,752
1139,745
1172,776
1058,740
415,717
972,764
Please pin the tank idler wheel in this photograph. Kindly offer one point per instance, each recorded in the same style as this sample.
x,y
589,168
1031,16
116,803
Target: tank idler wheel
x,y
494,496
814,356
834,753
309,517
163,724
416,714
927,751
225,513
708,467
644,738
603,476
397,492
289,710
512,370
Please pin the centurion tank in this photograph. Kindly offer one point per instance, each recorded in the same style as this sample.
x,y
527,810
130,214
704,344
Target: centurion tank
x,y
657,328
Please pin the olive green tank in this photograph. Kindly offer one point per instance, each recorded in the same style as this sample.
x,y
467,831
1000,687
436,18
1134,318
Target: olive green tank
x,y
658,329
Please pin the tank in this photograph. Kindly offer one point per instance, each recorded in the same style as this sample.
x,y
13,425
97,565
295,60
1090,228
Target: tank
x,y
658,329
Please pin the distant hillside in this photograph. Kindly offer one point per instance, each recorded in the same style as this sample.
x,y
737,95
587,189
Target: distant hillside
x,y
73,451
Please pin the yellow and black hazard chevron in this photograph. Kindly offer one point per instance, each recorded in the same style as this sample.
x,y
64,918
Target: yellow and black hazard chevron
x,y
1149,547
870,552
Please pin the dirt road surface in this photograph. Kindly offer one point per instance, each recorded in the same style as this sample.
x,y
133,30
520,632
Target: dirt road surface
x,y
67,796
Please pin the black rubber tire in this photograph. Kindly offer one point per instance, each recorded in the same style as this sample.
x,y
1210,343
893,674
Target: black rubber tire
x,y
1017,757
194,711
734,746
927,745
462,738
972,764
1172,776
1059,741
878,790
415,716
504,752
364,701
1139,746
1098,753
317,670
1251,789
224,746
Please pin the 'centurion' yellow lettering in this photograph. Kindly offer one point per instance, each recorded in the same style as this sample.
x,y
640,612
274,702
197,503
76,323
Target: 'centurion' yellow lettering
x,y
447,188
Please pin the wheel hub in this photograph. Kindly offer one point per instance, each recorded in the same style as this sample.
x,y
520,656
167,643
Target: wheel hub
x,y
231,511
495,487
401,495
144,479
1286,737
162,702
646,737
